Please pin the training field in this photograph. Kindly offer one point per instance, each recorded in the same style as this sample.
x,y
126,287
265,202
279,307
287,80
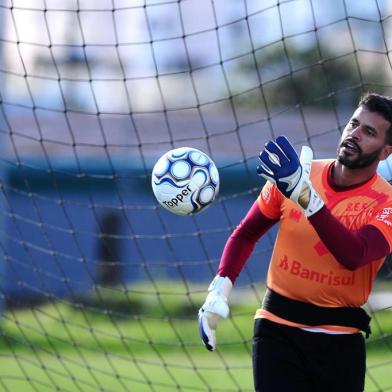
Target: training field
x,y
100,282
71,349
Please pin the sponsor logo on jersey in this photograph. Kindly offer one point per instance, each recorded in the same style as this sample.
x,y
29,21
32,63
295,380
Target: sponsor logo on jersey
x,y
331,278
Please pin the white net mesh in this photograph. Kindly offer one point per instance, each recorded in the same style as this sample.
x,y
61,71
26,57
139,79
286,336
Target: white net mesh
x,y
101,286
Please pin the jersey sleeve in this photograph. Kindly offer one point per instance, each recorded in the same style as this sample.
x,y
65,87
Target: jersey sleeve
x,y
383,221
352,249
242,241
270,200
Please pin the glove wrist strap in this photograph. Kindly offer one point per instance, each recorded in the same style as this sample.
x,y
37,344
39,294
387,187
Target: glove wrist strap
x,y
312,202
221,286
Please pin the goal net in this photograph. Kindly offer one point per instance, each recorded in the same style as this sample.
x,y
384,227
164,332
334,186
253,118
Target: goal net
x,y
100,286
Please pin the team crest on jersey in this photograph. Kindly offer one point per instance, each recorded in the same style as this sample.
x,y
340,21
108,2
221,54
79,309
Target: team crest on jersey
x,y
385,216
295,214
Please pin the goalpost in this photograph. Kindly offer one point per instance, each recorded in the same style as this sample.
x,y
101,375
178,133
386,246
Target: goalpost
x,y
100,286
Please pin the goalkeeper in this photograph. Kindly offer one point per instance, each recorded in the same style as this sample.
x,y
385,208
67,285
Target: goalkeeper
x,y
335,232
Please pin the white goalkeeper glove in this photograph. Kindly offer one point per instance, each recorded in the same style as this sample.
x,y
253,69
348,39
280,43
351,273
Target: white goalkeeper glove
x,y
279,163
214,309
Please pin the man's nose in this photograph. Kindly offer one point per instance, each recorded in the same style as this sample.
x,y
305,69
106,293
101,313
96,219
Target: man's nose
x,y
356,132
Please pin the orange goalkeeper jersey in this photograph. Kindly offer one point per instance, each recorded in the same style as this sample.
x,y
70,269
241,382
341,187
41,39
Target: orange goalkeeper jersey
x,y
301,266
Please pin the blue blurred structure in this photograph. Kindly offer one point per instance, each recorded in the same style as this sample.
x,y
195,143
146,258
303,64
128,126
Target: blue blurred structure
x,y
61,229
67,233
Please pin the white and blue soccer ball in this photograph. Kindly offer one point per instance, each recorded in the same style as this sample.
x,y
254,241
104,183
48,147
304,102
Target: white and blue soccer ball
x,y
185,181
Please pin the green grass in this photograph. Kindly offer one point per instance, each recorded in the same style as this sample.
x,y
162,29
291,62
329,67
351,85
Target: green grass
x,y
144,339
86,372
89,372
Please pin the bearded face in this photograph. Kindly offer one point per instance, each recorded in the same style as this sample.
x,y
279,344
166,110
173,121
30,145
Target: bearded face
x,y
363,142
352,156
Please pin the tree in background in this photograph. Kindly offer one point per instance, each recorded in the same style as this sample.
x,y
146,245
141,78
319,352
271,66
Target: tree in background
x,y
292,75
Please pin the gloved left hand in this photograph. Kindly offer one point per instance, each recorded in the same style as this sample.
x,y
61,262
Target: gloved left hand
x,y
214,309
279,163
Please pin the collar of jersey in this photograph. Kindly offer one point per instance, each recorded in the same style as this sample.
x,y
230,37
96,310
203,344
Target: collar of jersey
x,y
328,182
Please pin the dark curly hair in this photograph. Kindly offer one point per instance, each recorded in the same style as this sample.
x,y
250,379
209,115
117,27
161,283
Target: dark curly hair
x,y
382,105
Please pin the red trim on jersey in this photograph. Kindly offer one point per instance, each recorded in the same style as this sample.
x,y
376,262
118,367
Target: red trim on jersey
x,y
338,188
351,249
242,241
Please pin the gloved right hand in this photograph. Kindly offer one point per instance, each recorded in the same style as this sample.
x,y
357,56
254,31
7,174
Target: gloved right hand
x,y
213,310
280,164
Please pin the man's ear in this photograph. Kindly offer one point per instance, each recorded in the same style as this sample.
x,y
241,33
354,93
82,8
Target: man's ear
x,y
386,151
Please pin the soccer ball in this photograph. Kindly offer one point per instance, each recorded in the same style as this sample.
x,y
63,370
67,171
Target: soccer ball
x,y
185,181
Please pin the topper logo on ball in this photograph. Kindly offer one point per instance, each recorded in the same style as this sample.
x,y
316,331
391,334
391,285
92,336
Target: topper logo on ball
x,y
179,198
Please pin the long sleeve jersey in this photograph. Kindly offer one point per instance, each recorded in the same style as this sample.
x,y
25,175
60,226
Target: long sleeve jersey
x,y
329,260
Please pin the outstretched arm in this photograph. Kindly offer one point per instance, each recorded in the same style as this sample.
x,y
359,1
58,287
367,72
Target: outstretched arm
x,y
235,254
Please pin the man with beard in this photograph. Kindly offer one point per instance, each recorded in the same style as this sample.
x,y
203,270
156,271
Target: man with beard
x,y
335,232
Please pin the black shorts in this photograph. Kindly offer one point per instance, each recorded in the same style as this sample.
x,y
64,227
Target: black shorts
x,y
288,359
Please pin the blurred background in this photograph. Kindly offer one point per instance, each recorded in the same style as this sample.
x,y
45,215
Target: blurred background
x,y
99,285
